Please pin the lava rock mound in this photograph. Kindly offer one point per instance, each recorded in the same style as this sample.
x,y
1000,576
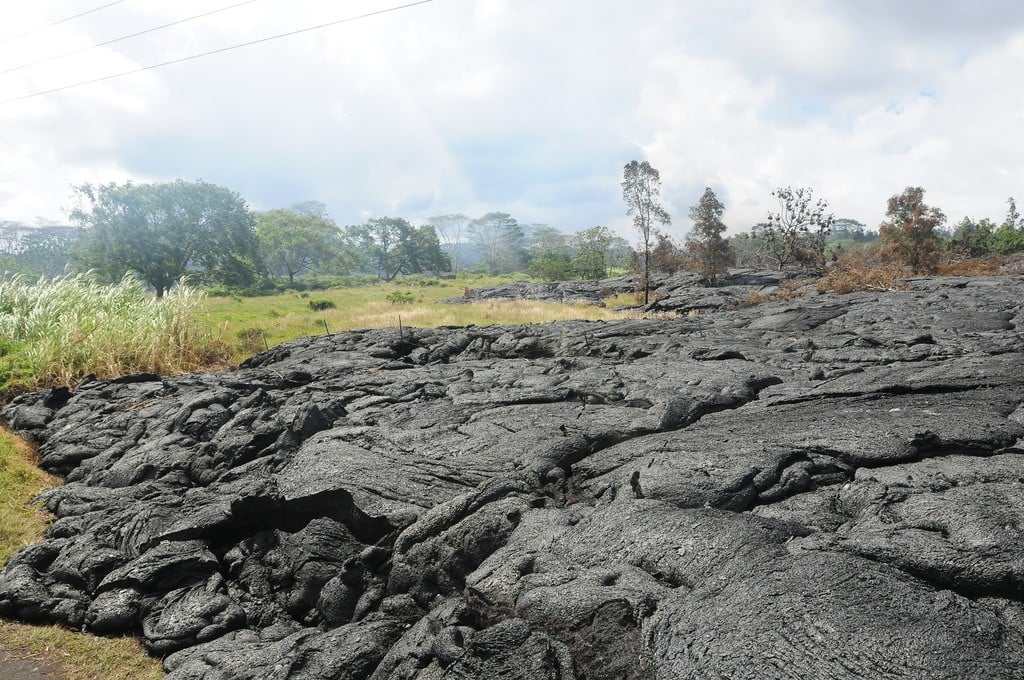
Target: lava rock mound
x,y
822,487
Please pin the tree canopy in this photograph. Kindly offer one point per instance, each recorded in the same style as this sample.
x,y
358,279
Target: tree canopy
x,y
392,246
908,235
799,230
164,231
712,251
292,243
641,191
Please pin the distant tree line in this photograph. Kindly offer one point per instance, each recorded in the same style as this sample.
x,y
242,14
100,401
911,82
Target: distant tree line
x,y
802,233
162,232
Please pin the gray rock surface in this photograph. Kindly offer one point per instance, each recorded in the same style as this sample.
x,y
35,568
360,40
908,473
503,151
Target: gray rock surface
x,y
829,487
681,293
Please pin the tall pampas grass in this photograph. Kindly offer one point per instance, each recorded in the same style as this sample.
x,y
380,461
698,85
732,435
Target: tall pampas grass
x,y
56,331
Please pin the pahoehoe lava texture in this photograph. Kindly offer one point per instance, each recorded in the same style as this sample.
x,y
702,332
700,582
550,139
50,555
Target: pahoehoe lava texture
x,y
829,487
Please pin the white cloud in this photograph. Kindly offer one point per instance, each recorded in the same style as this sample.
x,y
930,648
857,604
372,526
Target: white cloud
x,y
528,107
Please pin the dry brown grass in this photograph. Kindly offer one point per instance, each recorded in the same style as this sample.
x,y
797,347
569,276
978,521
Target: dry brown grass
x,y
842,280
994,265
788,289
862,270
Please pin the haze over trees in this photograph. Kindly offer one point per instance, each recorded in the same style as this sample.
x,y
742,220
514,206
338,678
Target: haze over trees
x,y
36,251
499,238
641,190
162,232
165,231
450,229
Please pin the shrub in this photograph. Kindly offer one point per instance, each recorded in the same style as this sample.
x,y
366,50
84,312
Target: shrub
x,y
320,304
400,298
251,339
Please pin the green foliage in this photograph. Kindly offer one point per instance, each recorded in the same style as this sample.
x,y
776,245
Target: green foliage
x,y
292,243
1007,240
712,252
908,235
1009,237
36,251
846,229
421,281
400,297
162,232
972,239
551,265
320,304
391,246
56,331
11,267
591,252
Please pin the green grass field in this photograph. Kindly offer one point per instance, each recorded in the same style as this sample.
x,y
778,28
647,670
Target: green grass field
x,y
251,324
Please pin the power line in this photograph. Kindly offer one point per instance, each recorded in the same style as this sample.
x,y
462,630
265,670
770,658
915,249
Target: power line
x,y
55,23
217,51
126,37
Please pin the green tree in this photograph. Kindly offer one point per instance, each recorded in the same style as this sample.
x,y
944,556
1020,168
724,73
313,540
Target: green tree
x,y
292,243
37,251
392,246
591,252
164,231
621,256
908,235
711,251
972,239
641,191
1013,219
500,240
540,237
548,252
551,264
844,228
1009,237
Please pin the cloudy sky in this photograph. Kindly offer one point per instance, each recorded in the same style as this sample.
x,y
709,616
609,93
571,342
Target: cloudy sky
x,y
530,107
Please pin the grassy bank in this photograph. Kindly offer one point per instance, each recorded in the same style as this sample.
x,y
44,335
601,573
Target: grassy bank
x,y
21,524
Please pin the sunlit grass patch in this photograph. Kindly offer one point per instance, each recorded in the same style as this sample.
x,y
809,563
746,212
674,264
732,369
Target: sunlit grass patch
x,y
56,331
260,322
22,523
80,656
